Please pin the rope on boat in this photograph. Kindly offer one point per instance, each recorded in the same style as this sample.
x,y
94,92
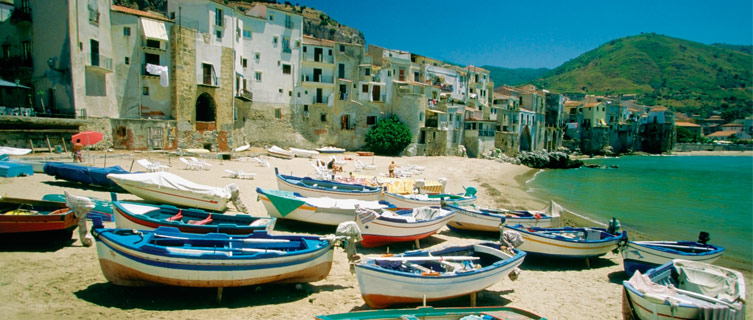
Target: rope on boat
x,y
236,198
81,207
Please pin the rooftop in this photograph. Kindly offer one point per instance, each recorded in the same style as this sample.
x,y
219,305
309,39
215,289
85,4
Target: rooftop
x,y
724,133
686,124
136,12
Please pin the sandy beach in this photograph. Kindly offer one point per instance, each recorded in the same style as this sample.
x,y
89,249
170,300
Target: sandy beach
x,y
66,282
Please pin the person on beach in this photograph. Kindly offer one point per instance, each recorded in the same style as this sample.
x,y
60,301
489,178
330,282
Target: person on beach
x,y
334,167
391,169
78,150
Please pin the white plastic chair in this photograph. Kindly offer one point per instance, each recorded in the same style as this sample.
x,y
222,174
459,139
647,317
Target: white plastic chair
x,y
240,174
201,163
151,166
322,172
190,165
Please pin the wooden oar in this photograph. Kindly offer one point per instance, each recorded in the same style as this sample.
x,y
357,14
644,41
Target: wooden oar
x,y
439,258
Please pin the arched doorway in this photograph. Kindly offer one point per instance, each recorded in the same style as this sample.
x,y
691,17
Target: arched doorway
x,y
525,139
205,108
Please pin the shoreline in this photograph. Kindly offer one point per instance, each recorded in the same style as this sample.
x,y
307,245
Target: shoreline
x,y
67,282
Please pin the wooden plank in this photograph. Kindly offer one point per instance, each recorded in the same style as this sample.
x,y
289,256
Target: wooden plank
x,y
49,147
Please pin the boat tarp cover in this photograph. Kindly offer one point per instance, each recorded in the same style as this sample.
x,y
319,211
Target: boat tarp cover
x,y
171,181
82,174
284,201
710,280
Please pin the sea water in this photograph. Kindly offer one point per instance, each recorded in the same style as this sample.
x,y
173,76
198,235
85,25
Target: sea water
x,y
664,197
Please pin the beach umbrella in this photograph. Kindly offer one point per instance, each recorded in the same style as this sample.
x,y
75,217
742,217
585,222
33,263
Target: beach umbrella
x,y
87,137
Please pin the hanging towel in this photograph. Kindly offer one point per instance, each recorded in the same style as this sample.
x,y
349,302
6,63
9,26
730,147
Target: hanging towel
x,y
160,71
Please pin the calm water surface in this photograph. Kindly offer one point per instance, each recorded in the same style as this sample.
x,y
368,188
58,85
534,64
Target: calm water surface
x,y
664,197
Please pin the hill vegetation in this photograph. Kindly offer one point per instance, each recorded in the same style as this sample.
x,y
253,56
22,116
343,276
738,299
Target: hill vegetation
x,y
680,74
514,76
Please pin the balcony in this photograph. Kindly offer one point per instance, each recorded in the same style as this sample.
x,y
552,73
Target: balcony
x,y
16,62
100,63
319,58
246,95
20,14
308,79
321,100
152,45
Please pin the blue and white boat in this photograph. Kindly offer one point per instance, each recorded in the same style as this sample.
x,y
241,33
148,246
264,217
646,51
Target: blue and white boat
x,y
310,187
473,218
568,242
167,256
438,274
682,289
85,174
453,313
644,255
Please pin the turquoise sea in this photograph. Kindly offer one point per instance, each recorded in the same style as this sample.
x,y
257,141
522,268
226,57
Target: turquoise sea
x,y
664,198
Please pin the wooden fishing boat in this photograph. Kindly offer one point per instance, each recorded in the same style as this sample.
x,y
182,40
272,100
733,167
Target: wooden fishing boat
x,y
456,313
416,200
84,174
567,242
431,275
644,255
330,149
142,216
310,187
303,153
167,256
36,219
365,153
281,153
382,227
473,218
320,210
682,289
165,187
102,208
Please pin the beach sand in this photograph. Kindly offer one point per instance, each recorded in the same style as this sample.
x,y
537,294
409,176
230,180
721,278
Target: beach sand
x,y
66,282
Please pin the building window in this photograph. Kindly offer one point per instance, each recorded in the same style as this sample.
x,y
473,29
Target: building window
x,y
365,88
330,52
151,58
367,71
342,48
371,120
278,113
288,23
286,45
244,62
257,76
127,60
218,17
153,43
274,40
323,117
257,56
271,17
346,123
219,35
126,31
208,75
145,91
246,34
286,69
305,108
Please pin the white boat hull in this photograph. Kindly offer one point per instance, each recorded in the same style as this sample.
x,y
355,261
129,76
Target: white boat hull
x,y
636,256
471,221
314,193
409,203
303,153
127,267
311,214
173,196
537,244
382,231
380,289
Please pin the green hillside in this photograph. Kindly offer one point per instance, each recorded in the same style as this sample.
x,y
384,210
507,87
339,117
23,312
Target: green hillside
x,y
663,70
515,76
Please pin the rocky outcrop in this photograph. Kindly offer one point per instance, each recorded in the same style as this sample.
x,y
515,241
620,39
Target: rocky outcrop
x,y
319,25
552,160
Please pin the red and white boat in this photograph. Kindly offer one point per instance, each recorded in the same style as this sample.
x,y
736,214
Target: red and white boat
x,y
381,227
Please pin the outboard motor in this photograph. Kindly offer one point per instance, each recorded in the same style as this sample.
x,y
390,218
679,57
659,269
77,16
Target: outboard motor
x,y
614,226
703,237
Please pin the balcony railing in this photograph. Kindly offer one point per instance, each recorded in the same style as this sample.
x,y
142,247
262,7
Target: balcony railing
x,y
101,62
20,14
321,79
321,99
245,95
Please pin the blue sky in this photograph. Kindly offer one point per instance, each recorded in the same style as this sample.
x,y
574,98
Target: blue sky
x,y
533,34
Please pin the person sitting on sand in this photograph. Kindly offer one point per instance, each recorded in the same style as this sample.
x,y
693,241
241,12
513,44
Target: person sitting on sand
x,y
78,150
391,169
334,167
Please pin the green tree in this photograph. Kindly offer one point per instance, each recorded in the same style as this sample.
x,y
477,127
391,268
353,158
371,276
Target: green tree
x,y
388,137
685,135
